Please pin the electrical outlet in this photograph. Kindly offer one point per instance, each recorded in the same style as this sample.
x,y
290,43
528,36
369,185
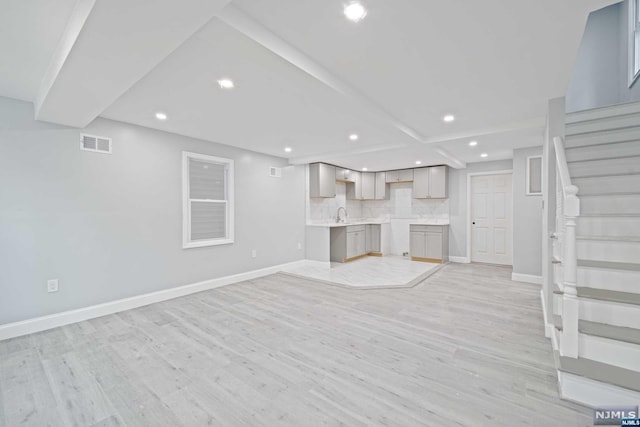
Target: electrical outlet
x,y
52,285
254,253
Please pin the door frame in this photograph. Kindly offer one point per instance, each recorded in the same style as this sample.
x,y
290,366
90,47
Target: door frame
x,y
469,176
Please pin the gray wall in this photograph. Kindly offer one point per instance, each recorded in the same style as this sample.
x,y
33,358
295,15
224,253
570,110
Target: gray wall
x,y
458,202
600,74
527,218
110,226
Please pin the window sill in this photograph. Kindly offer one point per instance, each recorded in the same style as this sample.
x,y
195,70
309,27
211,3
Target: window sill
x,y
205,243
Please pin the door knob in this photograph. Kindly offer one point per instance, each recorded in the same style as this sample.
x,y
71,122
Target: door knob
x,y
474,223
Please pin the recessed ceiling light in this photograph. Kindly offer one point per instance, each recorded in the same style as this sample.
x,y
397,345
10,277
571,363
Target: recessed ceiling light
x,y
473,143
288,149
448,118
418,162
161,116
355,11
354,137
483,155
226,84
364,169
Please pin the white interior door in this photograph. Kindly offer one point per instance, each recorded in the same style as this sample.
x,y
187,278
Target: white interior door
x,y
492,219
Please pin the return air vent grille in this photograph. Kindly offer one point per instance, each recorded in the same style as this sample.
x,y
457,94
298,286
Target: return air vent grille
x,y
275,172
97,144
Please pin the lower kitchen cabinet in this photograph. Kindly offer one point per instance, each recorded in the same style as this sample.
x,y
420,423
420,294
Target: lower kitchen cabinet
x,y
372,232
353,241
429,243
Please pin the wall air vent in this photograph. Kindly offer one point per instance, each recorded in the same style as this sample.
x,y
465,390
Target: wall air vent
x,y
275,172
97,144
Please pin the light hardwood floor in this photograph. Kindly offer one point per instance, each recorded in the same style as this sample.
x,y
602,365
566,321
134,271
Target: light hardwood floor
x,y
465,347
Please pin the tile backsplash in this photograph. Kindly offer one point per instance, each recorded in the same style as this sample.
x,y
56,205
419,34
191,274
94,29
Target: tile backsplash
x,y
400,205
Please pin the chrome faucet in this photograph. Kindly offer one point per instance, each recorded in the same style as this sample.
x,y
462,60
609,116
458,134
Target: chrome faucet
x,y
338,214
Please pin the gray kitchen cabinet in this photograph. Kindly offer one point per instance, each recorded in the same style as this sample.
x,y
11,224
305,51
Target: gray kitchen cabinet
x,y
373,232
345,175
322,181
421,183
429,243
430,183
351,241
381,186
403,175
368,185
354,187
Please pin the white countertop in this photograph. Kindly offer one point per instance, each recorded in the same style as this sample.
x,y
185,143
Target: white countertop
x,y
430,222
364,221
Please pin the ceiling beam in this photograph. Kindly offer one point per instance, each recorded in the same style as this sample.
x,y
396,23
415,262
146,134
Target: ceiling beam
x,y
107,47
256,31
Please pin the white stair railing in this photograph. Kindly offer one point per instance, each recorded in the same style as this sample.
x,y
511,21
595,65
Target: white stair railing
x,y
568,215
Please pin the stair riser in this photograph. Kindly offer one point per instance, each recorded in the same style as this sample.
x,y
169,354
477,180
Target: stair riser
x,y
627,165
607,123
608,184
612,352
608,251
603,112
605,137
625,315
620,204
608,226
594,152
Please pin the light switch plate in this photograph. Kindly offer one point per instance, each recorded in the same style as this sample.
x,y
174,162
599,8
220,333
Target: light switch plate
x,y
52,285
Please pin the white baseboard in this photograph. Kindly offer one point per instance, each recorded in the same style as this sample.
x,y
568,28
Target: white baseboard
x,y
29,326
594,393
526,278
459,259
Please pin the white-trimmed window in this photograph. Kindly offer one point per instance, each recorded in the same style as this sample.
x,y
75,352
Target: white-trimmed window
x,y
207,194
634,40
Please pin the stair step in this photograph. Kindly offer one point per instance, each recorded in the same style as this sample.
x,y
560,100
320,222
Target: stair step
x,y
608,250
618,333
628,266
605,238
603,112
616,184
605,167
604,137
603,311
610,204
603,372
607,295
602,124
601,151
612,276
615,226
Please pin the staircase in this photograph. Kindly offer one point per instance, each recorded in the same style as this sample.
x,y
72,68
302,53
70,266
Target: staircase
x,y
602,151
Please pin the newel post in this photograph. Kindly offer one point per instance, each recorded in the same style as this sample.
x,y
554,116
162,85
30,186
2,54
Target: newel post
x,y
570,307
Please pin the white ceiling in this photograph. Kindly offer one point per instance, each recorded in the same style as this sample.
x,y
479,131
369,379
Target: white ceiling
x,y
29,33
305,76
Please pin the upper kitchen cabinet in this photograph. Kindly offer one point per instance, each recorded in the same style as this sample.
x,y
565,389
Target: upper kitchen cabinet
x,y
381,186
430,183
355,187
322,180
403,175
345,175
368,185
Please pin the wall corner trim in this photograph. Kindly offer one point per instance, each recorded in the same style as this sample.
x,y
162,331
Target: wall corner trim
x,y
526,278
459,259
43,323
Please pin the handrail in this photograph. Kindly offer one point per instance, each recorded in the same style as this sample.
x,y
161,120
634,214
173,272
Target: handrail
x,y
571,205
